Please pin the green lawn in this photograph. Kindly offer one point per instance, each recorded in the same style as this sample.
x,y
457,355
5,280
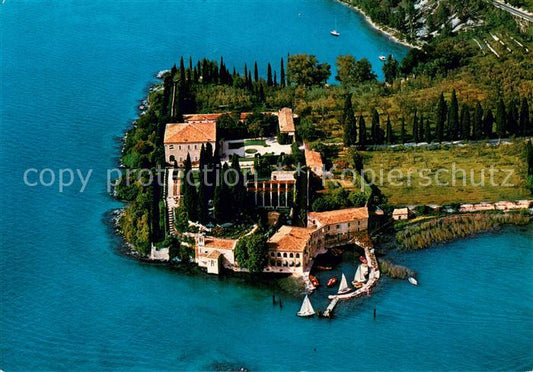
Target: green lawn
x,y
255,142
417,171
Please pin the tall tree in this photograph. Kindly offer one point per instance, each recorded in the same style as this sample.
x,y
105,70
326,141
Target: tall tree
x,y
525,123
282,75
350,71
421,128
477,124
305,70
188,190
500,118
488,122
256,73
389,139
390,69
453,118
465,122
375,128
427,132
415,128
512,118
349,123
362,130
440,117
269,75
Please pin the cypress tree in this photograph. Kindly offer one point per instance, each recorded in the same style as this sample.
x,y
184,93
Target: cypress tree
x,y
421,128
402,131
415,128
500,119
275,82
238,189
427,132
488,122
256,72
465,122
389,136
188,190
512,119
440,117
269,75
182,72
525,124
349,123
203,206
246,74
453,118
362,130
477,122
374,129
282,75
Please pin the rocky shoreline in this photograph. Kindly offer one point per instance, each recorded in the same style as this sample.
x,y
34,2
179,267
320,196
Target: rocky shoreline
x,y
391,33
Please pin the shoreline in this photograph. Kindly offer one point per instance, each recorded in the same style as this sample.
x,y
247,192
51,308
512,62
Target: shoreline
x,y
387,31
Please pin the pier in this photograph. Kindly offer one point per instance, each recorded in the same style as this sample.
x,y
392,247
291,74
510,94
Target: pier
x,y
366,289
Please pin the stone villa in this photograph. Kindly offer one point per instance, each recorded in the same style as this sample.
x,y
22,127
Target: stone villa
x,y
187,138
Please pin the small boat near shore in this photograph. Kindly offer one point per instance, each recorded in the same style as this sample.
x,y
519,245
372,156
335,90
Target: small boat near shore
x,y
382,58
314,280
331,282
307,309
413,281
335,33
323,268
360,276
363,260
343,287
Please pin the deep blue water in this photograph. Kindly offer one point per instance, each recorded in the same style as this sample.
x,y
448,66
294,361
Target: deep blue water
x,y
71,74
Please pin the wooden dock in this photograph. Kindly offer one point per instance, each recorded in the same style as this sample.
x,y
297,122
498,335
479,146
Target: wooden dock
x,y
365,289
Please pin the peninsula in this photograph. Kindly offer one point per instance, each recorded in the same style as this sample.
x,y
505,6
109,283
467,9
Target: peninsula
x,y
264,171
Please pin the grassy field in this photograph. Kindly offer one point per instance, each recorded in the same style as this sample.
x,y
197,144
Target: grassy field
x,y
424,176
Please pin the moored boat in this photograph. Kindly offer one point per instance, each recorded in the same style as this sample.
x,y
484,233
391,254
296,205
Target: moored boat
x,y
306,309
314,280
412,280
332,282
335,33
343,287
363,260
360,275
323,268
382,58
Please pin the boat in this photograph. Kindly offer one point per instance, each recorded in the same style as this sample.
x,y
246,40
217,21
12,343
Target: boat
x,y
336,251
334,32
332,282
306,309
314,280
343,287
382,58
412,280
323,268
360,276
363,260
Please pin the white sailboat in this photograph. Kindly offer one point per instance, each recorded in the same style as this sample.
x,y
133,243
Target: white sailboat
x,y
307,308
360,275
412,280
343,287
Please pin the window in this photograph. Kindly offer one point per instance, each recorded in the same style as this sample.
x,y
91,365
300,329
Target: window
x,y
271,254
291,255
196,147
279,254
358,223
338,226
285,254
297,255
179,147
171,147
188,147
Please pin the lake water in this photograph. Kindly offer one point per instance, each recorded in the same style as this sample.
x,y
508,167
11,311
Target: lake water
x,y
71,74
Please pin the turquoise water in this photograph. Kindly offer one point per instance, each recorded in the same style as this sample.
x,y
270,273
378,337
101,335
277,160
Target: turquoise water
x,y
71,75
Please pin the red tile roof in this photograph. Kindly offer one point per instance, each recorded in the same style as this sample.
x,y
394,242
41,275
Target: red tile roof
x,y
339,216
290,239
191,132
286,120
